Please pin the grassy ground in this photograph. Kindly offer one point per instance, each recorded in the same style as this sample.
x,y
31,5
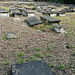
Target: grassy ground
x,y
57,49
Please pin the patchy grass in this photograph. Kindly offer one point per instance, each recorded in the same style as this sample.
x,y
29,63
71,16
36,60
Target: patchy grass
x,y
20,54
39,55
21,61
31,44
38,49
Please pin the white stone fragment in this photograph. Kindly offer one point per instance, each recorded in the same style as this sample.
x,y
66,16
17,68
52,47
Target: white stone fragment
x,y
53,15
16,19
29,15
4,14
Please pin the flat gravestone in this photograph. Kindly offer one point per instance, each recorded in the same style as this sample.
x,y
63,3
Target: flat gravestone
x,y
50,19
30,13
33,21
31,68
59,28
4,13
11,35
60,13
16,13
13,9
50,13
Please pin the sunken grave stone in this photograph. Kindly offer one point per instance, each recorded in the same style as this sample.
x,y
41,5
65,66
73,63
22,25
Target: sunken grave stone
x,y
31,68
59,28
33,21
49,20
4,13
11,35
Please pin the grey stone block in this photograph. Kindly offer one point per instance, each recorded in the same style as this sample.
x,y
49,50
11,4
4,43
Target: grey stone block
x,y
50,19
33,21
11,35
31,68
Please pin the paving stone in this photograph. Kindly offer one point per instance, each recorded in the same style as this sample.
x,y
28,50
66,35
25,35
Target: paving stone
x,y
33,21
11,35
31,68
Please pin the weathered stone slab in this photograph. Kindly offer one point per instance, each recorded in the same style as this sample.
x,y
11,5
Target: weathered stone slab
x,y
2,10
60,13
31,68
11,35
22,9
33,21
25,14
12,9
59,28
30,13
50,13
49,19
15,13
4,13
67,10
40,10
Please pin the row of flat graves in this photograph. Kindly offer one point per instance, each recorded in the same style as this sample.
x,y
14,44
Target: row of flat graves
x,y
48,13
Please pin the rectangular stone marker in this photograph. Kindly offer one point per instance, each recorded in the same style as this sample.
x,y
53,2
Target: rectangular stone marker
x,y
12,9
49,19
59,28
33,21
30,13
60,13
50,13
16,13
4,13
67,10
22,9
31,68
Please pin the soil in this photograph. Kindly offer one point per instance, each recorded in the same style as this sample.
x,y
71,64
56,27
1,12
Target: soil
x,y
30,38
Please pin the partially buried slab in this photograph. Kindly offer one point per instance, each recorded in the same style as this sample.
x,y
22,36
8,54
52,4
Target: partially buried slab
x,y
11,35
31,68
33,21
59,28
